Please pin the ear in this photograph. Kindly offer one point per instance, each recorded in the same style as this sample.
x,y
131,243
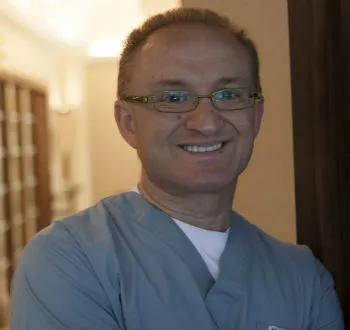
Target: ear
x,y
259,113
125,119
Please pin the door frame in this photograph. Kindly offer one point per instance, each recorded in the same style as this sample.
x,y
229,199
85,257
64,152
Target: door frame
x,y
320,72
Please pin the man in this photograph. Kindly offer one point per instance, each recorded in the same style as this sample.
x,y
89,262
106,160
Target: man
x,y
171,254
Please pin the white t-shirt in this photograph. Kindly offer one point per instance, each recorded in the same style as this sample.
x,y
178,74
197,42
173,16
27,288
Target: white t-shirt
x,y
209,244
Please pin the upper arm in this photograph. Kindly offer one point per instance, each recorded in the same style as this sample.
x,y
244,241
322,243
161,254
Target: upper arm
x,y
325,310
54,288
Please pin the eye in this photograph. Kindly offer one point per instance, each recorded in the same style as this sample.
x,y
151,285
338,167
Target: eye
x,y
174,97
229,94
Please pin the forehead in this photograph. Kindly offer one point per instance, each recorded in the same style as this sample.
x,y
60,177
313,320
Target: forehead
x,y
194,54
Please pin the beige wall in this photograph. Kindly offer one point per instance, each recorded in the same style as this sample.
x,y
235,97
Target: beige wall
x,y
24,53
266,190
114,165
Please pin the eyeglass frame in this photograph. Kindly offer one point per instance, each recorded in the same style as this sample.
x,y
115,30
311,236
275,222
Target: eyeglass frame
x,y
256,96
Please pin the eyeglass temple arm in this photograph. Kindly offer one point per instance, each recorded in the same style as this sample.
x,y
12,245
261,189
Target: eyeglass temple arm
x,y
137,99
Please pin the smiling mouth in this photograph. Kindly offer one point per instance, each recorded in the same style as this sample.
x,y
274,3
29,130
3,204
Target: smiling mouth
x,y
199,148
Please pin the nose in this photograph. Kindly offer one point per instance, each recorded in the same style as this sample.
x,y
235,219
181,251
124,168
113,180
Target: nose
x,y
204,119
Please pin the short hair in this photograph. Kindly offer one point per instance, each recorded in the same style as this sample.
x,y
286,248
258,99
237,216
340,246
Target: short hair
x,y
139,36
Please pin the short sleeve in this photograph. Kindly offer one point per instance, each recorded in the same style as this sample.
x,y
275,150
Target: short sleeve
x,y
326,313
54,287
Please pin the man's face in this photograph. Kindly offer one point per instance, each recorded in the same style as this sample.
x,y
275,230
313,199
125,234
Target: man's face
x,y
203,60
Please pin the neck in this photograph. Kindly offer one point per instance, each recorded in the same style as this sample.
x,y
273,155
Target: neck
x,y
211,211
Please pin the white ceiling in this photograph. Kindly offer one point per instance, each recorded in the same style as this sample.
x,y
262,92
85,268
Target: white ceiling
x,y
96,26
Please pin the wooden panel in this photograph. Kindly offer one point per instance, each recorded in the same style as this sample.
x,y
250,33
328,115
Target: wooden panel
x,y
319,37
18,191
28,150
21,143
40,139
14,162
4,214
25,203
6,182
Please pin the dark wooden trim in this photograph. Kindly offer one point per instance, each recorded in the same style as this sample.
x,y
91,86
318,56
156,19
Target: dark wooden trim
x,y
319,43
344,151
7,207
21,161
41,159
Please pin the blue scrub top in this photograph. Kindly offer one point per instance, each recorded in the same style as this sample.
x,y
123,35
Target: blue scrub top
x,y
125,265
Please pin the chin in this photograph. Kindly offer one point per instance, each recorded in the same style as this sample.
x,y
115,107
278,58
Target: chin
x,y
208,186
181,184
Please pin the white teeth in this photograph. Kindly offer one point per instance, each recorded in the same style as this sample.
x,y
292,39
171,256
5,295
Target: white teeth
x,y
203,149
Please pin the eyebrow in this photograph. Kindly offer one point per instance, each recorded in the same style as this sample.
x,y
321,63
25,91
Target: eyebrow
x,y
228,80
171,83
177,83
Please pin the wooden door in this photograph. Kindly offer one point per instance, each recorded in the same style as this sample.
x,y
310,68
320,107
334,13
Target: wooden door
x,y
25,197
320,67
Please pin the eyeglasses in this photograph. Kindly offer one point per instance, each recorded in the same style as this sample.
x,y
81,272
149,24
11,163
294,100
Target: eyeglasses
x,y
176,101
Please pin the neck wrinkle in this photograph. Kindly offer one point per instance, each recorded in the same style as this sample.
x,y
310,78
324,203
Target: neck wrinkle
x,y
207,211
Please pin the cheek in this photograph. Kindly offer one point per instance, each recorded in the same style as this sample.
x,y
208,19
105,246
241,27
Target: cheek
x,y
156,128
246,145
242,122
147,139
152,138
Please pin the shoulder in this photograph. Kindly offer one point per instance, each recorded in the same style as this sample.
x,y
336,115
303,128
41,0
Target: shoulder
x,y
294,270
69,275
90,226
292,259
78,243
